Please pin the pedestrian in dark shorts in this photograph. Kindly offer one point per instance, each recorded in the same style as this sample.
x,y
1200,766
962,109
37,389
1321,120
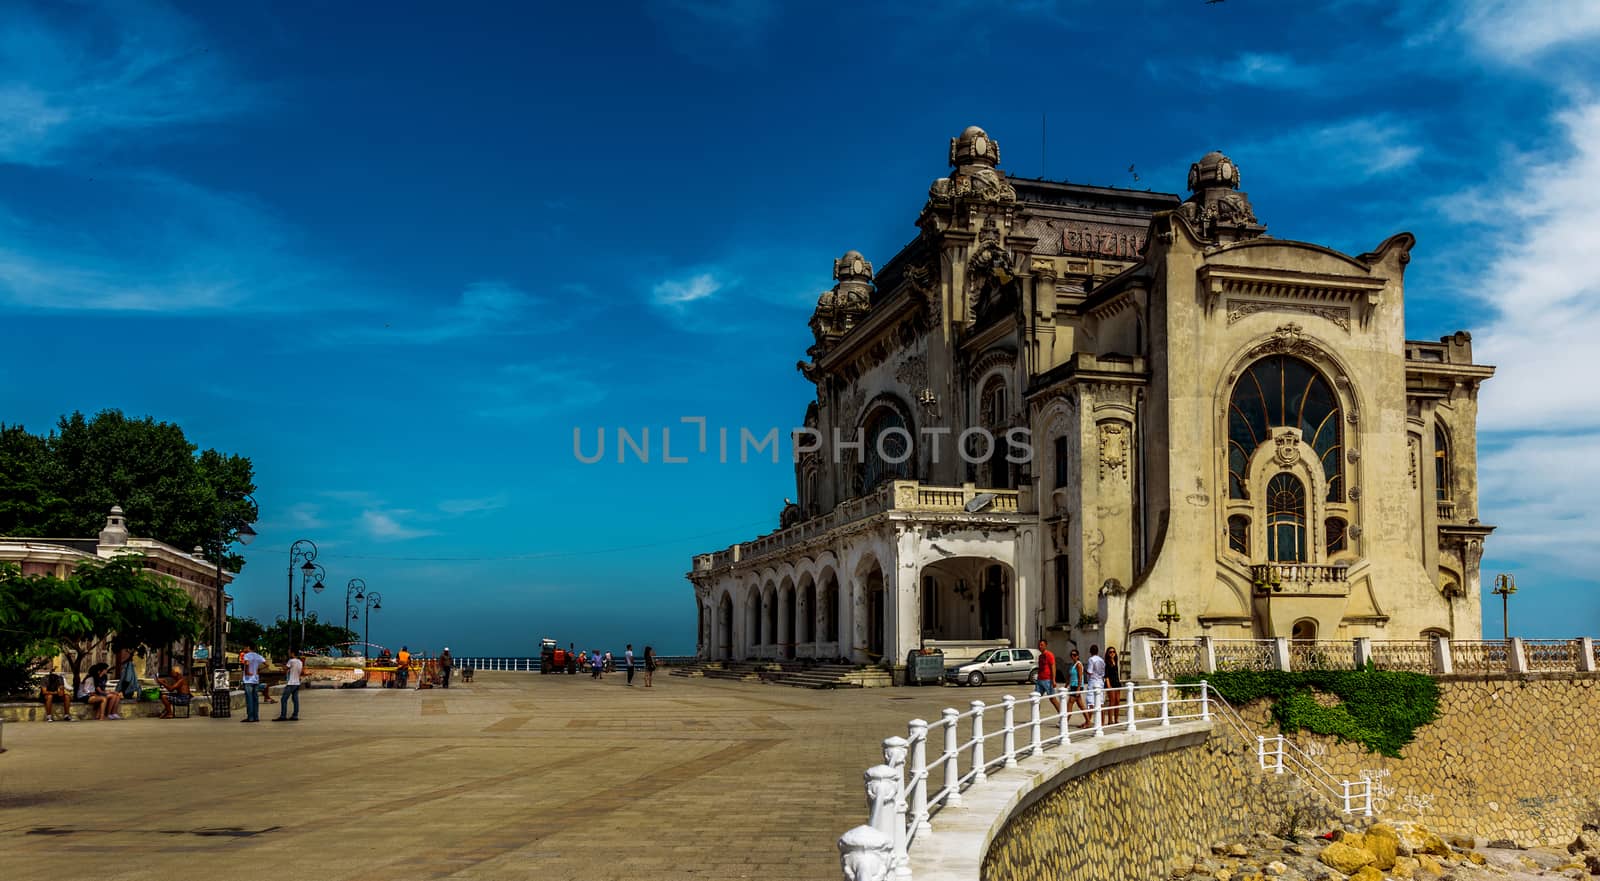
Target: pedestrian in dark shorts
x,y
649,665
1044,679
627,660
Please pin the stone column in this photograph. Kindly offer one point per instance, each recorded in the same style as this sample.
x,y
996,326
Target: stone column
x,y
1280,653
1208,655
1143,665
1586,662
1363,651
784,636
1516,656
1443,663
768,637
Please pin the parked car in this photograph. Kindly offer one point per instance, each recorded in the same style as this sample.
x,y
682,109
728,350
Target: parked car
x,y
995,665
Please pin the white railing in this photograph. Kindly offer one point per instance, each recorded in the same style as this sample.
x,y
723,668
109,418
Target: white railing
x,y
1277,754
903,801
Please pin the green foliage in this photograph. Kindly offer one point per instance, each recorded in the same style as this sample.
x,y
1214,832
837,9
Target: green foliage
x,y
41,614
1379,709
274,641
62,485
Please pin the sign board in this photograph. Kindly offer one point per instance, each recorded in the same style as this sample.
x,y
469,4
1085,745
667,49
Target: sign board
x,y
202,653
219,679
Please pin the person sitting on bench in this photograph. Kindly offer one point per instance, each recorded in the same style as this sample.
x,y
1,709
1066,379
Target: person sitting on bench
x,y
55,689
174,692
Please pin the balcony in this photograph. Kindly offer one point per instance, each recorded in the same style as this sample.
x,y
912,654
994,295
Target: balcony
x,y
908,496
1300,578
1447,509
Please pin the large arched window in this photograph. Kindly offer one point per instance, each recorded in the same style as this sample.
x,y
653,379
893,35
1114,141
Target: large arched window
x,y
993,413
1283,392
1286,519
887,448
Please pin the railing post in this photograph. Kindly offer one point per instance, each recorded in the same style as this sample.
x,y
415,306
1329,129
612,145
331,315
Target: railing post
x,y
1444,664
952,756
894,755
1205,701
1278,764
1008,723
1363,651
1064,725
881,789
1586,654
1034,726
1346,797
1516,656
1166,705
1099,714
1369,798
918,730
977,743
1280,654
1143,663
1261,751
1132,710
865,854
1208,655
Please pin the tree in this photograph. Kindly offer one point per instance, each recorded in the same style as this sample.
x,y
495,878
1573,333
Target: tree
x,y
274,641
116,599
63,485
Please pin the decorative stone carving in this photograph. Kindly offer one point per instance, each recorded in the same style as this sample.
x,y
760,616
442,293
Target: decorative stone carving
x,y
1238,310
865,854
1287,446
1411,453
1288,339
1216,210
1114,449
840,309
975,156
913,372
850,409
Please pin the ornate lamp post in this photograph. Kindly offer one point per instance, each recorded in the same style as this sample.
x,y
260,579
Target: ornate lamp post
x,y
218,655
309,572
301,555
352,590
1169,614
373,600
1504,586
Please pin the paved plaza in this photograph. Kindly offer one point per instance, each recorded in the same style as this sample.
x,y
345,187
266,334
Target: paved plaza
x,y
513,776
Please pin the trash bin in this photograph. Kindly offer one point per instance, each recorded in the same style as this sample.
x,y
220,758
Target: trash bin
x,y
924,668
221,703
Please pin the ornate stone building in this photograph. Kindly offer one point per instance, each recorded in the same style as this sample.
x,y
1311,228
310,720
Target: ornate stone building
x,y
1188,417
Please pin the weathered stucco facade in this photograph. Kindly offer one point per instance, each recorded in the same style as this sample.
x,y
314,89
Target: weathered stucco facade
x,y
1063,411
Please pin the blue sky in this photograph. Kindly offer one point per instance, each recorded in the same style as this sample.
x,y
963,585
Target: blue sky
x,y
396,254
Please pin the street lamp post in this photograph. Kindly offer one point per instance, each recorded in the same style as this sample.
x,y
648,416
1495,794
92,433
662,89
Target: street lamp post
x,y
352,589
1169,614
1504,586
373,600
243,534
309,572
301,555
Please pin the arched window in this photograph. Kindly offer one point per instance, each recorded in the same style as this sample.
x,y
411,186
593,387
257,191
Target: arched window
x,y
1337,533
993,414
887,452
1304,630
1239,534
1286,519
1441,463
1283,392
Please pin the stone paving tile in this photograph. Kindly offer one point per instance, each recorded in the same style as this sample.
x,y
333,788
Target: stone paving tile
x,y
516,776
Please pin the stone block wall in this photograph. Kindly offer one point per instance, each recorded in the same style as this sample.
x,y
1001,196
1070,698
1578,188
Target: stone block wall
x,y
1510,757
1131,819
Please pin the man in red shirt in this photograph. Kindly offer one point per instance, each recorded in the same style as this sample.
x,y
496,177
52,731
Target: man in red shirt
x,y
1044,679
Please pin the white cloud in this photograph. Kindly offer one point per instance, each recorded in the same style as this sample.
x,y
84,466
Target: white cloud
x,y
1336,154
680,292
129,72
305,516
1269,70
388,525
459,507
1517,31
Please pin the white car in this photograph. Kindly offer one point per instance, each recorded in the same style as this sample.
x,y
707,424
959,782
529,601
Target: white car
x,y
995,665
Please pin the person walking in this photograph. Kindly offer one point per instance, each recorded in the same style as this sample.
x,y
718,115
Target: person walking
x,y
596,664
1114,687
402,673
1096,668
610,666
572,659
649,665
1075,687
627,660
291,688
1044,679
253,662
445,663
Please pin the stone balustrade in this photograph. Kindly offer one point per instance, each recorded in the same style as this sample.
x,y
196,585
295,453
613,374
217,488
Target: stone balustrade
x,y
1154,658
907,496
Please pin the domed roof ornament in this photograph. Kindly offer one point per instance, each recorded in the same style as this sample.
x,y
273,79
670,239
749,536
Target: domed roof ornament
x,y
974,147
975,157
840,308
1216,210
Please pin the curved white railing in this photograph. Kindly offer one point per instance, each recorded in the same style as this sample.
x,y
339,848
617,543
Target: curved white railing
x,y
903,801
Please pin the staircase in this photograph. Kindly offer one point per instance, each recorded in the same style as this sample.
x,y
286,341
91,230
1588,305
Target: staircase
x,y
798,674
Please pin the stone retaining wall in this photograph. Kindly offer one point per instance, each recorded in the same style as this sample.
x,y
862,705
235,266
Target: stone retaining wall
x,y
1129,820
1510,757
